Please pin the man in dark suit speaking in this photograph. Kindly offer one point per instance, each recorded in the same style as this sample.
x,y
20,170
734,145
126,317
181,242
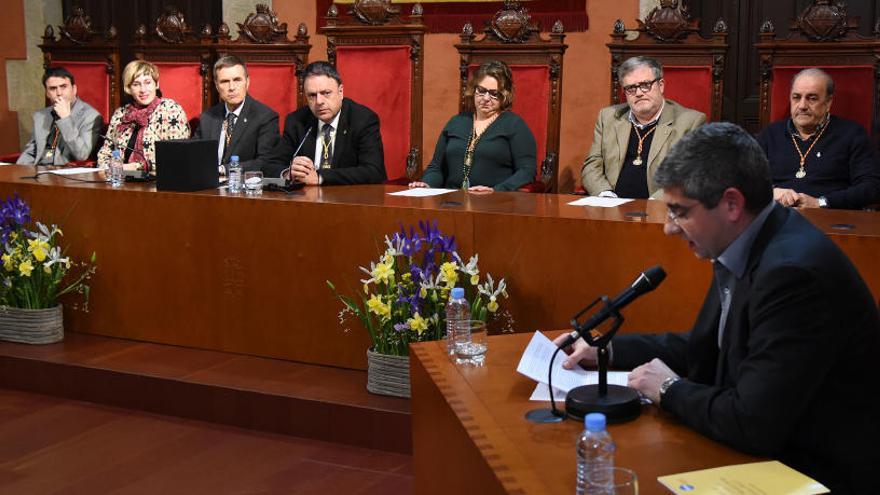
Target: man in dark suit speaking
x,y
780,360
331,141
242,125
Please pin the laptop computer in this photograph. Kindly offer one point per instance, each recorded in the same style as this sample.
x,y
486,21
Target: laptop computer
x,y
187,165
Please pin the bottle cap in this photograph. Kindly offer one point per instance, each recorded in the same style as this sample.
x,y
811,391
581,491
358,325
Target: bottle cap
x,y
233,158
116,154
458,293
594,422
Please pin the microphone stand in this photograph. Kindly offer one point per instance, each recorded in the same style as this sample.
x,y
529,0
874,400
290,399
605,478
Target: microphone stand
x,y
552,415
618,403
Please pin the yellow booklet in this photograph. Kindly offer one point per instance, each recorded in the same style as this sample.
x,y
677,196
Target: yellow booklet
x,y
759,478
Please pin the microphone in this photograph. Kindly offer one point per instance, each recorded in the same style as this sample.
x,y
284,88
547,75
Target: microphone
x,y
647,281
114,145
295,153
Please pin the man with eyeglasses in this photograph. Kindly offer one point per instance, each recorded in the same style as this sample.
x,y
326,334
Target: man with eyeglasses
x,y
243,126
632,138
332,140
819,160
779,362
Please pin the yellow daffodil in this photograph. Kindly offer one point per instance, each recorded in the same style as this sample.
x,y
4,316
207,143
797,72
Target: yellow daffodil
x,y
25,267
493,305
377,307
13,235
475,279
417,323
383,273
7,262
39,248
449,273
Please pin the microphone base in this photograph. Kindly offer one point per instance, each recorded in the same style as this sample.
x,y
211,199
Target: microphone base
x,y
544,416
621,404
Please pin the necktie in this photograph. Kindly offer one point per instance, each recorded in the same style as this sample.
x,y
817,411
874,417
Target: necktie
x,y
326,145
722,281
228,126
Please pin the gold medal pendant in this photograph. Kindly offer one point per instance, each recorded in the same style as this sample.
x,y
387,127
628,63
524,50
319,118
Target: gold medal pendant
x,y
801,173
638,161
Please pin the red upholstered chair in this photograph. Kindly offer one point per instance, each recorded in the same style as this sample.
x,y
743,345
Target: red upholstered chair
x,y
822,36
380,58
693,66
92,58
536,65
184,59
273,60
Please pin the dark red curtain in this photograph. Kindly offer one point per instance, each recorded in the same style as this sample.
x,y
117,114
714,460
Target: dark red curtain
x,y
449,17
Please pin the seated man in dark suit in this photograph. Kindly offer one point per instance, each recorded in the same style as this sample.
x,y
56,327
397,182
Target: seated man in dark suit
x,y
331,141
243,126
819,160
780,360
65,131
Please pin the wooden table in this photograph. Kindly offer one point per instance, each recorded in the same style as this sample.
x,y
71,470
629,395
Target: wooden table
x,y
470,434
247,275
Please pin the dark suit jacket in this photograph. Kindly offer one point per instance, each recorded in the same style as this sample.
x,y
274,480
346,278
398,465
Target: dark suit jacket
x,y
795,377
358,157
254,135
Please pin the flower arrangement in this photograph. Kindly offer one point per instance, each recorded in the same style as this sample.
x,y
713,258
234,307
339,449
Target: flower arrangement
x,y
34,266
405,295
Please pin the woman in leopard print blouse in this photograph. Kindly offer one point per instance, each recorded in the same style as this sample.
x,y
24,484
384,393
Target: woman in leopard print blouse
x,y
135,127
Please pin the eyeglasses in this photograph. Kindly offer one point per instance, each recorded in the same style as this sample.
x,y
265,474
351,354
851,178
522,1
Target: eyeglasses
x,y
645,86
678,213
491,93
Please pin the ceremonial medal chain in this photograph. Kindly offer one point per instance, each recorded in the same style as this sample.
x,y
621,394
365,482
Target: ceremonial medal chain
x,y
801,173
469,151
638,160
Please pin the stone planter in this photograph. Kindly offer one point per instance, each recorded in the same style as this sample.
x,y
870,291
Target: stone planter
x,y
387,374
31,326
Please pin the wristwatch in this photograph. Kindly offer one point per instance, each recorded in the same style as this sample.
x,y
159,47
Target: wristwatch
x,y
666,384
823,202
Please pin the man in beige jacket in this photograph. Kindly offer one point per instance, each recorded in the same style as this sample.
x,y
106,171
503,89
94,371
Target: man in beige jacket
x,y
632,138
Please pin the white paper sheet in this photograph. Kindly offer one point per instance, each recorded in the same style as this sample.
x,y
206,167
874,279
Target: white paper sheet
x,y
542,393
536,358
602,202
74,171
421,192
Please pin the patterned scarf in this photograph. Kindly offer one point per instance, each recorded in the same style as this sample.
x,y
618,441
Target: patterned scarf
x,y
138,117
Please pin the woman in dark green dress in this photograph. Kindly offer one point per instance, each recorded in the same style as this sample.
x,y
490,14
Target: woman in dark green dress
x,y
488,148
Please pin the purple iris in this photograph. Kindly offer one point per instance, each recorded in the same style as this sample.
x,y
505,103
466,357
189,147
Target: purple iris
x,y
14,214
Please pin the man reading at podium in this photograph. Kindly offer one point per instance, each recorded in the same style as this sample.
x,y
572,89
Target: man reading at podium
x,y
778,362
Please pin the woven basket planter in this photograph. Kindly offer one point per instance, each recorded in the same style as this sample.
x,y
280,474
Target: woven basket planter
x,y
31,326
387,374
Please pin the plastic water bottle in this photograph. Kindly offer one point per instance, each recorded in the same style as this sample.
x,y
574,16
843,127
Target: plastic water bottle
x,y
595,451
457,309
233,175
115,169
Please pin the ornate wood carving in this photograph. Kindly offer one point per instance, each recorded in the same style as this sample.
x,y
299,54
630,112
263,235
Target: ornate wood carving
x,y
171,26
263,26
378,23
671,35
77,27
512,37
823,35
669,22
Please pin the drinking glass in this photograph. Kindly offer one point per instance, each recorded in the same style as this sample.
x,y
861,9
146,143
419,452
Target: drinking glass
x,y
612,481
253,183
471,341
